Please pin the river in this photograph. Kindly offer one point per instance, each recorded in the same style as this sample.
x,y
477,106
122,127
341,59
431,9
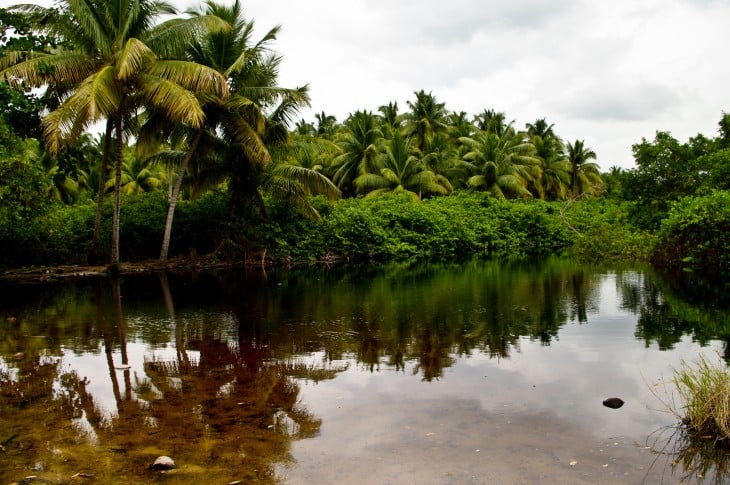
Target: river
x,y
484,372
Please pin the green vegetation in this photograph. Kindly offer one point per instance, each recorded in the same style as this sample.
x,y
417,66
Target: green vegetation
x,y
215,151
704,391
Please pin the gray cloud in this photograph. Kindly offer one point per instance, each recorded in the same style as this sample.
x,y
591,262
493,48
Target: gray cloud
x,y
621,103
458,21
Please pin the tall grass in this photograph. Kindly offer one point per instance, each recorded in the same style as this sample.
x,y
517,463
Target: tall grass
x,y
698,395
705,391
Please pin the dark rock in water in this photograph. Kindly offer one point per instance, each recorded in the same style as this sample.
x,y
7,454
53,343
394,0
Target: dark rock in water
x,y
163,463
613,403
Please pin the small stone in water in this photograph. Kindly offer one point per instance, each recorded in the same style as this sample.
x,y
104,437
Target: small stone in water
x,y
163,463
613,403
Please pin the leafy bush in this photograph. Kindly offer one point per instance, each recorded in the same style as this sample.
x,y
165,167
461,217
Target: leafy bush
x,y
603,231
695,236
199,225
67,233
397,227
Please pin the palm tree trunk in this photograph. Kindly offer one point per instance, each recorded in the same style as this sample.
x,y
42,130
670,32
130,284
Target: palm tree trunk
x,y
176,192
94,256
117,188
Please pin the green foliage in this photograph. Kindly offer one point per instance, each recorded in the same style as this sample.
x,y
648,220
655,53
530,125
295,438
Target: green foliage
x,y
22,182
66,234
695,237
21,112
199,225
666,171
397,227
605,232
141,225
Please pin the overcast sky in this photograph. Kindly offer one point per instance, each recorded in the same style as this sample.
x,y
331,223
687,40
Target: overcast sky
x,y
607,72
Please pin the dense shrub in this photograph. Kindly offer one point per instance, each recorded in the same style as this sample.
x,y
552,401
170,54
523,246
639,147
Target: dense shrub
x,y
695,237
67,233
199,225
397,227
604,231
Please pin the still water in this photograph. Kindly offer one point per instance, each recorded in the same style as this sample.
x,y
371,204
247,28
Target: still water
x,y
477,373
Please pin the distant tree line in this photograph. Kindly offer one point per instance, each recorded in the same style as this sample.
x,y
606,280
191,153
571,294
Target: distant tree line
x,y
193,122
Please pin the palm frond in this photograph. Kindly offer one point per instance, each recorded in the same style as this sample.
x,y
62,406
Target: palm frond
x,y
240,131
311,181
174,36
134,56
96,98
177,103
89,22
191,75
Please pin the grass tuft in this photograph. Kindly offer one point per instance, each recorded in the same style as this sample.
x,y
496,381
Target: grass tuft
x,y
705,391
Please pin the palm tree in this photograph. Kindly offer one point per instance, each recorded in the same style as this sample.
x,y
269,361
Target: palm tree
x,y
304,128
325,124
493,122
391,119
540,128
426,118
585,175
310,152
297,185
244,131
502,165
359,142
553,182
116,66
140,175
402,171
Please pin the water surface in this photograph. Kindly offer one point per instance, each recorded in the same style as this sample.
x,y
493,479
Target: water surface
x,y
474,373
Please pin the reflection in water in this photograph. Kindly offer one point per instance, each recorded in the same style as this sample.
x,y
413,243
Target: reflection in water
x,y
665,316
103,377
229,414
695,458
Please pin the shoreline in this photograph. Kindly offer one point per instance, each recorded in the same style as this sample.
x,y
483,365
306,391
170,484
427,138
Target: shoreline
x,y
49,274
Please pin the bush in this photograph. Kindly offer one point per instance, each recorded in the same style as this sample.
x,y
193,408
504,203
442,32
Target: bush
x,y
604,232
67,233
695,236
397,227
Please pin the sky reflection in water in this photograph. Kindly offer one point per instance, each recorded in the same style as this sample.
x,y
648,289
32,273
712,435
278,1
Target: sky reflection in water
x,y
471,373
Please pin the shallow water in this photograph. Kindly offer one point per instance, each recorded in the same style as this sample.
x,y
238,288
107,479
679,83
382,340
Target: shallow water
x,y
476,373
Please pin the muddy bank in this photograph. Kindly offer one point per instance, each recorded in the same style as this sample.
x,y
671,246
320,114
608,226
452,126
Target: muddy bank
x,y
46,274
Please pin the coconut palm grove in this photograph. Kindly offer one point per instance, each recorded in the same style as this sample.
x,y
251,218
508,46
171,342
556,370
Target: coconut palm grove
x,y
130,132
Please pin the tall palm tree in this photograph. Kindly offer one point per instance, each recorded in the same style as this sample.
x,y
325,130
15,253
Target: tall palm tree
x,y
325,124
359,141
242,129
391,118
585,175
233,116
540,128
400,170
426,118
502,165
553,182
117,65
493,121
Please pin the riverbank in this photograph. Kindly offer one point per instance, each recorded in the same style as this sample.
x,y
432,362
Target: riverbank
x,y
46,274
